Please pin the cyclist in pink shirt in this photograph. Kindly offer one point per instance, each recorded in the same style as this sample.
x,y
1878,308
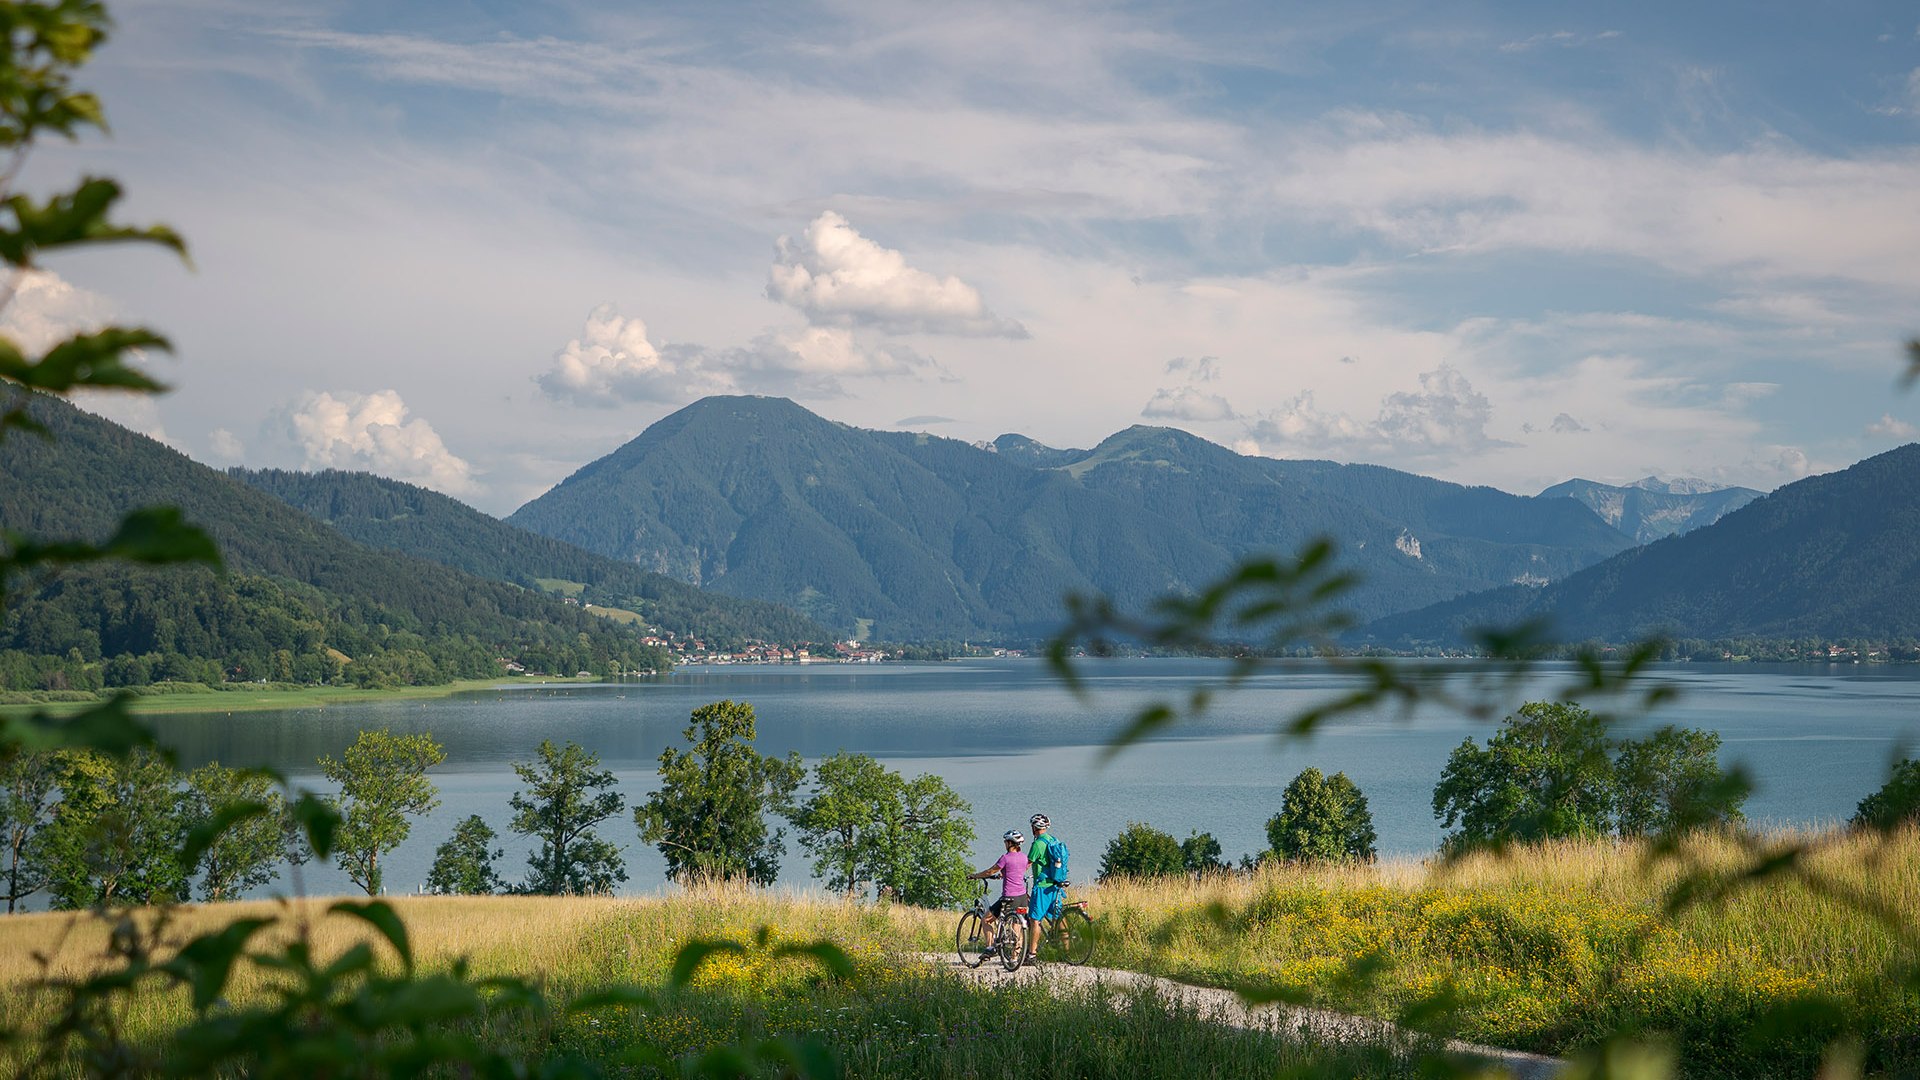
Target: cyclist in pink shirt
x,y
1011,869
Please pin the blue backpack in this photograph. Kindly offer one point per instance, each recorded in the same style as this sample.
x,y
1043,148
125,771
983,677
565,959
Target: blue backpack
x,y
1055,871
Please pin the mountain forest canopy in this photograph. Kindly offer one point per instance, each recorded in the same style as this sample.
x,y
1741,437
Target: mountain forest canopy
x,y
296,601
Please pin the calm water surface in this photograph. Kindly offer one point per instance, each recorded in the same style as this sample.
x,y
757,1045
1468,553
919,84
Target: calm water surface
x,y
1011,740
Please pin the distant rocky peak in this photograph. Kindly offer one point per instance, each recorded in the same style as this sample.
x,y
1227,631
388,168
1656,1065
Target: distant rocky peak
x,y
1679,485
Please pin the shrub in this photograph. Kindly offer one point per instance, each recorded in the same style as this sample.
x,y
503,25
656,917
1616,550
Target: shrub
x,y
1897,801
1142,851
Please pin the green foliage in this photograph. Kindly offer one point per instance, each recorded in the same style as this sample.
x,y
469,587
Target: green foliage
x,y
463,866
1322,819
29,782
1142,851
1553,771
867,825
1671,781
298,602
1896,803
252,837
115,836
708,817
1547,773
1200,854
931,537
383,781
569,794
395,516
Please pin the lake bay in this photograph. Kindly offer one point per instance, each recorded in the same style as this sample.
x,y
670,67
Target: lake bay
x,y
1010,738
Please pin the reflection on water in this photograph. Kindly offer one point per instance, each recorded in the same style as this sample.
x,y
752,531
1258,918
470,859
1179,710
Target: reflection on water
x,y
1013,741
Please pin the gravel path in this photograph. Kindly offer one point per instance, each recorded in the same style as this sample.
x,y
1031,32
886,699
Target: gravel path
x,y
1225,1007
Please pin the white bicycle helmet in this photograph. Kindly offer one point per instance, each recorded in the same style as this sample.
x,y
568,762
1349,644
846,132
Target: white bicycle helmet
x,y
1013,835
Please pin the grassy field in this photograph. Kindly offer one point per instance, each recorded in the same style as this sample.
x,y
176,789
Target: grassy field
x,y
895,1017
1551,948
166,698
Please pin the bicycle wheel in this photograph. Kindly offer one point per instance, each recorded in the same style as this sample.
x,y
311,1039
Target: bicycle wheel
x,y
1073,933
967,940
1008,944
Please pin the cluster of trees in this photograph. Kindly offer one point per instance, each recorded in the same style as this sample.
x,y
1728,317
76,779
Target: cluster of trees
x,y
1552,771
123,627
88,830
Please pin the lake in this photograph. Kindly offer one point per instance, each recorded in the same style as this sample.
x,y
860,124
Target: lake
x,y
1013,741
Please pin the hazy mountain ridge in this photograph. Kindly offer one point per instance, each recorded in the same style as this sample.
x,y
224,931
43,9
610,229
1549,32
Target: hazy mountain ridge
x,y
1831,556
1650,508
914,535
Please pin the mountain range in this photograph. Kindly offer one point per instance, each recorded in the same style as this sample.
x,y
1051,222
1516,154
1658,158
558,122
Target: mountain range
x,y
1830,556
1651,508
906,535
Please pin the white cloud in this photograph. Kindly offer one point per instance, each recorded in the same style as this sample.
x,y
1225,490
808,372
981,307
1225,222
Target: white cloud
x,y
1187,403
226,447
1445,418
372,432
1890,428
1446,415
1565,424
612,361
46,309
836,276
1565,39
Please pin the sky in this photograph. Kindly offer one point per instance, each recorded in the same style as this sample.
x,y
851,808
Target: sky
x,y
476,245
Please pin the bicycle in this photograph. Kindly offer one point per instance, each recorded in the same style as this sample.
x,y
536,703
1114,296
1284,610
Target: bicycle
x,y
1067,936
969,938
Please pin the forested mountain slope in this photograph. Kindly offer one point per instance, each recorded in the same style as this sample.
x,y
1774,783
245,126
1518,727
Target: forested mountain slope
x,y
396,516
1649,509
1829,556
298,601
910,535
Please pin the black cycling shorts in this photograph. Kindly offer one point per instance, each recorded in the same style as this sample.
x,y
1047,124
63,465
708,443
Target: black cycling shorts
x,y
1006,904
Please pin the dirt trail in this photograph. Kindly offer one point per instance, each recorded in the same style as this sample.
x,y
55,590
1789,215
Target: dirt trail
x,y
1225,1007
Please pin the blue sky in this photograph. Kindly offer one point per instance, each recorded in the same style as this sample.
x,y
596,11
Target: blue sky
x,y
476,245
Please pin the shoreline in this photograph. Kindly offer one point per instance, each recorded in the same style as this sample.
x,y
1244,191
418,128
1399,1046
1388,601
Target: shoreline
x,y
267,699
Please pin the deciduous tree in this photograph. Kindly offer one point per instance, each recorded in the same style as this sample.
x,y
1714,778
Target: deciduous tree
x,y
1322,819
708,817
568,795
1897,802
463,866
29,781
1671,781
383,782
246,854
115,835
1546,773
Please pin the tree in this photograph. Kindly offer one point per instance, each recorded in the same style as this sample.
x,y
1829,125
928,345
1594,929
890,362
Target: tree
x,y
708,817
927,856
1898,800
569,796
1200,854
29,779
245,855
383,782
1322,819
866,824
1671,781
1142,851
1546,773
114,837
844,822
463,866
